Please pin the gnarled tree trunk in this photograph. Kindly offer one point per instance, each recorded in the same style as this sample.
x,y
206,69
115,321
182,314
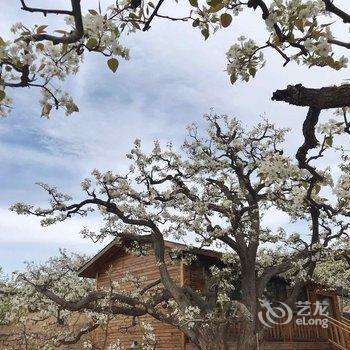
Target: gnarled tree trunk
x,y
214,338
213,344
247,339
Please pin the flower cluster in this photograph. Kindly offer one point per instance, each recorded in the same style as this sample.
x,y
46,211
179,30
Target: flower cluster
x,y
331,127
244,59
24,304
342,191
116,346
299,20
148,337
189,316
275,167
28,62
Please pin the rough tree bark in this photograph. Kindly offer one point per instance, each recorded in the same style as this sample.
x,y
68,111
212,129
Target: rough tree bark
x,y
213,339
247,338
323,98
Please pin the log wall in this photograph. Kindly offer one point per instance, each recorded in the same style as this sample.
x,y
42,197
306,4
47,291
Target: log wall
x,y
167,336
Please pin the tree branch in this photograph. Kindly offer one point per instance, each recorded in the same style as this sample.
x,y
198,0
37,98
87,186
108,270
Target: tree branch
x,y
323,98
310,140
337,11
74,36
77,337
45,11
148,23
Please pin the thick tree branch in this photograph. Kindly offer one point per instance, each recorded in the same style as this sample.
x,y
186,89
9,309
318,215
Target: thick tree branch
x,y
339,43
310,140
154,13
323,98
45,11
77,337
265,14
271,272
73,37
337,11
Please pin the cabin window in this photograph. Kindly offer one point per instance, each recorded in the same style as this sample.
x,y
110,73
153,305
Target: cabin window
x,y
328,302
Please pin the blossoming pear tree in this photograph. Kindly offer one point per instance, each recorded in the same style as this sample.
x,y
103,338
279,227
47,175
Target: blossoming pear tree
x,y
216,191
298,31
24,313
28,316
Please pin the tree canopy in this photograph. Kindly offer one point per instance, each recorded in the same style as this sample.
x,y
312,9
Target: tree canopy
x,y
299,31
217,189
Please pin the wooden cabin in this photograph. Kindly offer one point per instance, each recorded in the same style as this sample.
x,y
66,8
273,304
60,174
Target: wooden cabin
x,y
111,264
113,261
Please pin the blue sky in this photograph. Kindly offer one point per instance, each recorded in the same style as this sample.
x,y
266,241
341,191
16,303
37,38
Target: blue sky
x,y
172,79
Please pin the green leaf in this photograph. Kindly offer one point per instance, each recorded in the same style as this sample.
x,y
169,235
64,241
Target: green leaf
x,y
225,19
213,3
64,48
195,23
61,31
329,141
40,46
2,42
92,43
317,189
304,184
136,25
113,64
45,112
233,78
252,71
93,12
2,95
205,33
299,24
193,3
216,8
41,29
73,107
262,176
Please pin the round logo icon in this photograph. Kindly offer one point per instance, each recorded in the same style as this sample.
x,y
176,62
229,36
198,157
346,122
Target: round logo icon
x,y
270,316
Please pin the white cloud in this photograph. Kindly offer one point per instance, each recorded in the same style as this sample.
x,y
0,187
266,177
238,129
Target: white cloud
x,y
20,229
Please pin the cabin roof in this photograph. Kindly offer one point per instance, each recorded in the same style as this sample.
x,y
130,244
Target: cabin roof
x,y
114,249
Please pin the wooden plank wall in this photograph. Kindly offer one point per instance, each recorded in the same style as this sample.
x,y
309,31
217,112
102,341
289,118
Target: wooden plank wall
x,y
13,338
168,337
281,346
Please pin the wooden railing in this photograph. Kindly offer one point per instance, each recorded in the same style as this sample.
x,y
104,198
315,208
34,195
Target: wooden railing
x,y
294,331
339,333
345,320
311,329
